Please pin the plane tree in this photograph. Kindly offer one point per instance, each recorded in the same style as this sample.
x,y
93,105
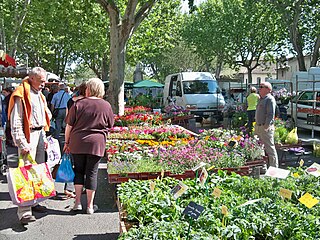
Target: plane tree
x,y
301,21
237,32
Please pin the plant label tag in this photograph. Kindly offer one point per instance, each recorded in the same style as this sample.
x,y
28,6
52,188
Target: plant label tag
x,y
277,172
314,169
162,173
178,190
285,193
232,144
217,192
308,200
210,168
152,186
200,165
203,176
193,210
301,162
250,202
224,210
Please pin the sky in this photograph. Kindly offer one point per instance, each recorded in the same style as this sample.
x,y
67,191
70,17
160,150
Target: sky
x,y
185,7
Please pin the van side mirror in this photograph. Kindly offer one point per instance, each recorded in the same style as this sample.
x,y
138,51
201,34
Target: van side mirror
x,y
179,93
218,90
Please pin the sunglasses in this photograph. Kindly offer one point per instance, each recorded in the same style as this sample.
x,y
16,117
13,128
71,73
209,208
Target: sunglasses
x,y
263,87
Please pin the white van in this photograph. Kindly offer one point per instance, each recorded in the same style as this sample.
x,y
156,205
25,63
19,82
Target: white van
x,y
305,109
196,91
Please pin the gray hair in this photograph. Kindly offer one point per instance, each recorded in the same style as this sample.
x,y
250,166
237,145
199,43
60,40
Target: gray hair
x,y
96,87
62,86
36,71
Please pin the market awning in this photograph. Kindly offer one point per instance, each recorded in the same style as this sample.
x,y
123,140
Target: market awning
x,y
6,60
147,84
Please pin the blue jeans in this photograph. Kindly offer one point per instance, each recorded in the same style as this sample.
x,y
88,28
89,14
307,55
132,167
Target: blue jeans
x,y
59,122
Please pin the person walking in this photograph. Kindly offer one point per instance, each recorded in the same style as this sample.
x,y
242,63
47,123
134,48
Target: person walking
x,y
264,128
59,102
7,92
85,138
79,94
29,117
252,101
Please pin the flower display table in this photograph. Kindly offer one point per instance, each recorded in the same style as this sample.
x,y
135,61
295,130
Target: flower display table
x,y
175,150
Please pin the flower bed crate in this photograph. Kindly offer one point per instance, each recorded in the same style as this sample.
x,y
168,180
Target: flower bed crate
x,y
119,178
257,163
124,224
286,145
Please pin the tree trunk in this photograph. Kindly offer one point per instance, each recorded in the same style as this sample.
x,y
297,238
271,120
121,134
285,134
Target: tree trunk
x,y
121,29
218,67
315,55
104,68
115,94
249,75
296,40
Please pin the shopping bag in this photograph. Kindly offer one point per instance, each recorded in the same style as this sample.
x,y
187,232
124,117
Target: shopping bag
x,y
53,152
65,172
30,184
292,137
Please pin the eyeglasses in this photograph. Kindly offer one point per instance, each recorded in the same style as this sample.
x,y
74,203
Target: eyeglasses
x,y
263,86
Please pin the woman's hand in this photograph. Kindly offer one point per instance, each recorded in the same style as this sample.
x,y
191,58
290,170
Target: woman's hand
x,y
66,148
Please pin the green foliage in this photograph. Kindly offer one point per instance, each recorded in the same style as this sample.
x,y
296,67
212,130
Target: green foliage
x,y
271,217
239,119
236,32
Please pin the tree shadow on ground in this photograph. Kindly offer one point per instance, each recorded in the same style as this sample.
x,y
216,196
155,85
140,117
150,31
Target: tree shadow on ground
x,y
107,236
12,221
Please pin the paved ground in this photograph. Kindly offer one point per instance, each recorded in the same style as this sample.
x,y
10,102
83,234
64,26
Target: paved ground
x,y
59,222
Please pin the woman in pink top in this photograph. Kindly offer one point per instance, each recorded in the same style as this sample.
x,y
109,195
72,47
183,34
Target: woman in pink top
x,y
88,121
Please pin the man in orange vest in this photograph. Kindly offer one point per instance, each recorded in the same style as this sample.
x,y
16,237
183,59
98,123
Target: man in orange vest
x,y
29,118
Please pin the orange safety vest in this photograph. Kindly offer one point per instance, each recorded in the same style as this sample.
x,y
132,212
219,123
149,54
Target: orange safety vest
x,y
23,92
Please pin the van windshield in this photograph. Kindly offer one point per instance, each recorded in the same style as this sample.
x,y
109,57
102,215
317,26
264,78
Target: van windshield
x,y
200,87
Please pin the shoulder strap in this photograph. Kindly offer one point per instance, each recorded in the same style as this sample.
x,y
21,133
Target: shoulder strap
x,y
61,99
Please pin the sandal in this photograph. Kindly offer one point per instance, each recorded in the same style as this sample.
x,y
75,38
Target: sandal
x,y
69,194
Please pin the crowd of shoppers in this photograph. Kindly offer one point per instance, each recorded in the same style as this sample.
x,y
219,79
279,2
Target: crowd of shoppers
x,y
87,115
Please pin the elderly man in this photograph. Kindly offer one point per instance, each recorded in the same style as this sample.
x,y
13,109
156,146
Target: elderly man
x,y
30,118
59,101
265,114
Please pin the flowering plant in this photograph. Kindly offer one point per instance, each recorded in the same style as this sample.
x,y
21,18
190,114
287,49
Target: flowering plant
x,y
282,95
136,109
137,119
174,110
178,155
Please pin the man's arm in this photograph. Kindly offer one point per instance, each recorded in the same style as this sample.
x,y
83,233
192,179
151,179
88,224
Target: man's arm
x,y
270,112
16,121
53,102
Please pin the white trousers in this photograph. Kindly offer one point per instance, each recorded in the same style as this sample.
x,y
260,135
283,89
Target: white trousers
x,y
37,152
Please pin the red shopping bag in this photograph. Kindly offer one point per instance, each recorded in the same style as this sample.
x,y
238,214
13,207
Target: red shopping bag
x,y
30,184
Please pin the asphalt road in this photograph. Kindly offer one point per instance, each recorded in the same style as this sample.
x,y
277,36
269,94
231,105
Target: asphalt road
x,y
60,222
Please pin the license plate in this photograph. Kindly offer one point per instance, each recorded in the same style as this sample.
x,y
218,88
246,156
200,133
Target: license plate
x,y
208,113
